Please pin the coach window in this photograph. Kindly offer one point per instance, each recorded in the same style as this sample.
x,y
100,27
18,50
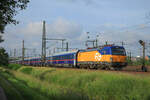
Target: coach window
x,y
70,56
66,57
55,58
63,57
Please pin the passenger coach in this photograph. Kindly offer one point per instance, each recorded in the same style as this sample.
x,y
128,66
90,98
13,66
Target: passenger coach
x,y
66,59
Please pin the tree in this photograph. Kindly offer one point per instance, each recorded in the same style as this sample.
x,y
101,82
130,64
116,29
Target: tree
x,y
9,9
3,57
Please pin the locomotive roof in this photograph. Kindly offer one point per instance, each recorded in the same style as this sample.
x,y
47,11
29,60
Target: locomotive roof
x,y
99,48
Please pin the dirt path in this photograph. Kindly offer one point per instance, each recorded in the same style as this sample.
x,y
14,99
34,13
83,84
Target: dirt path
x,y
2,95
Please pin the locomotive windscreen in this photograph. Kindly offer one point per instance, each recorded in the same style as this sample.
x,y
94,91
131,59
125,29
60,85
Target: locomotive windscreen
x,y
118,51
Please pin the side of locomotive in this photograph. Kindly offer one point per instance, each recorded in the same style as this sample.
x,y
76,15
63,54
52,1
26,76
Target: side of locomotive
x,y
108,57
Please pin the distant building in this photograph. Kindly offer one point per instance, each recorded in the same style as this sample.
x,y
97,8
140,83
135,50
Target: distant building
x,y
139,57
147,57
133,58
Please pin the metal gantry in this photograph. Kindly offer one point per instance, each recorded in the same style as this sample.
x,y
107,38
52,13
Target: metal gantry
x,y
94,42
43,55
58,40
44,40
23,51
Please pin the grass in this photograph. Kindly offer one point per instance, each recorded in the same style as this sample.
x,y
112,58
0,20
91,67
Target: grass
x,y
16,89
14,66
64,84
11,92
96,85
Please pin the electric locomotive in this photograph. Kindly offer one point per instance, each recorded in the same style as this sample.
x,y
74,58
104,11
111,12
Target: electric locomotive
x,y
105,57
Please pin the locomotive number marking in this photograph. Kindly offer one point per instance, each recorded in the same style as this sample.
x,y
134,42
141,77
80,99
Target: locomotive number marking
x,y
98,56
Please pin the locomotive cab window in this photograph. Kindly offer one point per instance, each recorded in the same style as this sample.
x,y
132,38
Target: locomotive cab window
x,y
118,51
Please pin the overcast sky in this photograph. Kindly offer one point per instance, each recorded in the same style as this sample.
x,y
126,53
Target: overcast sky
x,y
113,20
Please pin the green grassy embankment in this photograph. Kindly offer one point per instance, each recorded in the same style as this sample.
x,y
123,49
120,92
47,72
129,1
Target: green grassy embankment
x,y
16,89
64,84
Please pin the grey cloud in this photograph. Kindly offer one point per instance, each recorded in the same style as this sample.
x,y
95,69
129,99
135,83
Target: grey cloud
x,y
64,28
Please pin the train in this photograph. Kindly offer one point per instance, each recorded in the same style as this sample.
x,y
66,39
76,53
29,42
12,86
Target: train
x,y
104,57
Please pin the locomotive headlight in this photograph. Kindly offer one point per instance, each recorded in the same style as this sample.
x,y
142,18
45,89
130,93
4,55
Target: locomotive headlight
x,y
111,59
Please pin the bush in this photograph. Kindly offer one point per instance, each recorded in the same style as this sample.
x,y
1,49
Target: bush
x,y
14,66
26,70
3,57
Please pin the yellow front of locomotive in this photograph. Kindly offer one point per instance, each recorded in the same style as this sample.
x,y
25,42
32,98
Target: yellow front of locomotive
x,y
112,56
118,56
